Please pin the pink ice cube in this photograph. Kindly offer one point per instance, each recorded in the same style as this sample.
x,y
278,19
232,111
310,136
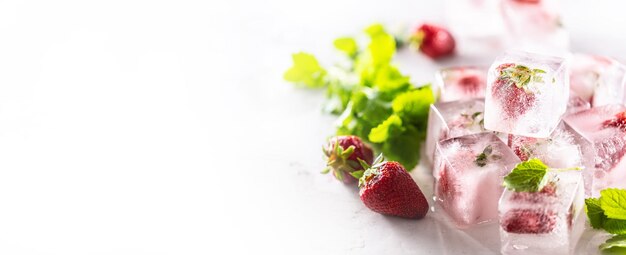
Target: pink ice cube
x,y
604,131
547,222
453,119
468,175
535,25
598,80
457,83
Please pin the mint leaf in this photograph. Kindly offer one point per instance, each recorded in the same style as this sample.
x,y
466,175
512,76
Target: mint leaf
x,y
481,159
618,241
347,45
613,202
306,71
388,79
382,45
528,176
594,212
614,226
382,132
404,147
413,106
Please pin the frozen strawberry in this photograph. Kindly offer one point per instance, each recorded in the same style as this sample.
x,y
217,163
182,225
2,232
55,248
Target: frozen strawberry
x,y
343,154
434,41
619,121
447,184
471,83
522,146
511,88
529,221
548,191
445,187
387,188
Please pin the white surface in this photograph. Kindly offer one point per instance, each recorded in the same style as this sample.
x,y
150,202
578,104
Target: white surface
x,y
163,127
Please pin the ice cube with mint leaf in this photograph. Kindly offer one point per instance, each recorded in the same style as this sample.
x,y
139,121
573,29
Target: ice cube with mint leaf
x,y
540,211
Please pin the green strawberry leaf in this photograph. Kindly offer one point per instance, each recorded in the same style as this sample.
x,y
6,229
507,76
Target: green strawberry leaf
x,y
357,174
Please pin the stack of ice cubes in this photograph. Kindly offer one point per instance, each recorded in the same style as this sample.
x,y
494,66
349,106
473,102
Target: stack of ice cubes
x,y
524,110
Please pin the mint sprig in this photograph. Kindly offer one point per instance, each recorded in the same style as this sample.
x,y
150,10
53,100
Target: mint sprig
x,y
608,213
528,176
374,100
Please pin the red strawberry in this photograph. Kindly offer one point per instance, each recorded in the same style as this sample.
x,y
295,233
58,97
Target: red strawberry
x,y
618,122
529,221
343,154
434,41
387,188
510,88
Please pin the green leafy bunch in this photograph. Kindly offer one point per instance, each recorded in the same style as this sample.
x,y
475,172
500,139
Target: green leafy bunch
x,y
373,99
608,212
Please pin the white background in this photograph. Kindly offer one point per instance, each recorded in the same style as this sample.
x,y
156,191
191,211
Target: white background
x,y
164,127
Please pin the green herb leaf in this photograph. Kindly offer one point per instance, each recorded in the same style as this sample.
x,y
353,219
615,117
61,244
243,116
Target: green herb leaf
x,y
382,132
382,45
347,45
481,159
618,241
614,226
613,202
528,176
306,71
595,213
414,105
404,147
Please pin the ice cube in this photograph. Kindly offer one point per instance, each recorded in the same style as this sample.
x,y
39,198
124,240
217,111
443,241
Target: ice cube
x,y
547,222
598,80
526,94
576,103
459,83
476,25
604,138
561,149
535,26
468,177
453,119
